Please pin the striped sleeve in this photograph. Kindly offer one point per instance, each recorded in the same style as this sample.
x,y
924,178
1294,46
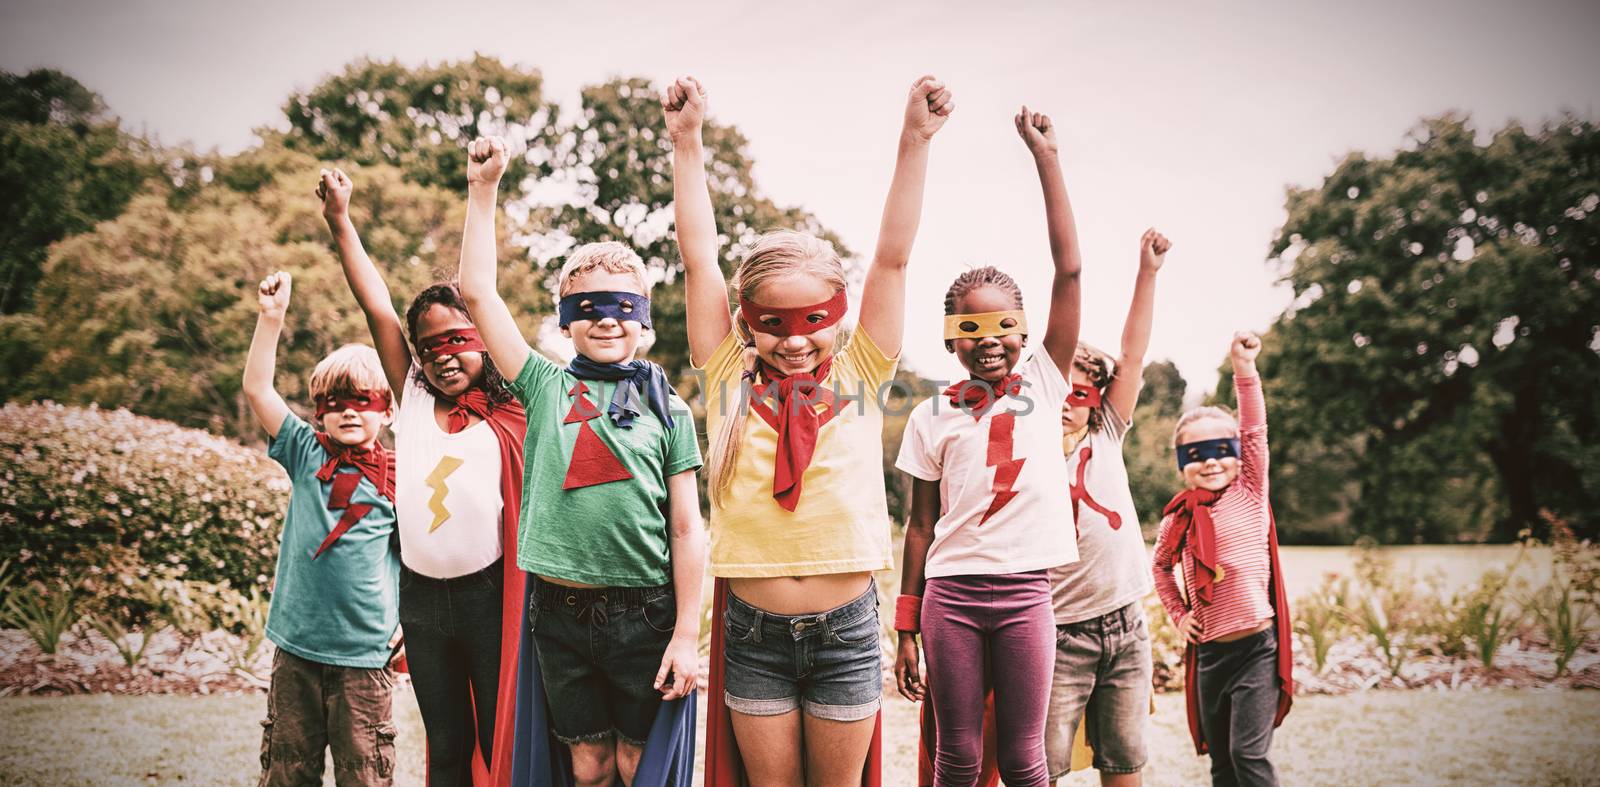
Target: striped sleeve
x,y
1161,568
1252,434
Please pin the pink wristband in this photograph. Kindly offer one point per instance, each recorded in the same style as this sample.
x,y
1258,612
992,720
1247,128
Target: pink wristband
x,y
908,613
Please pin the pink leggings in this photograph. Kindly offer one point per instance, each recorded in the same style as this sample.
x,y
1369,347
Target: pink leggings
x,y
981,631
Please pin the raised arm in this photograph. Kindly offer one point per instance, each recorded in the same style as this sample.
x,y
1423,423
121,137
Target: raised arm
x,y
1124,390
883,296
1061,332
705,290
262,362
366,283
1252,412
486,162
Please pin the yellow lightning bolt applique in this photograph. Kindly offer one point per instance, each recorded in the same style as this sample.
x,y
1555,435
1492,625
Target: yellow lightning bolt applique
x,y
435,481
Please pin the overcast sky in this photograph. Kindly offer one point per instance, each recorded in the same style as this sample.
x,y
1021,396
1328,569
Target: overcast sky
x,y
1189,116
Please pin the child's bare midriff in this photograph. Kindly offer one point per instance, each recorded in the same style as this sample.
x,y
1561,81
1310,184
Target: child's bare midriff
x,y
1238,635
800,595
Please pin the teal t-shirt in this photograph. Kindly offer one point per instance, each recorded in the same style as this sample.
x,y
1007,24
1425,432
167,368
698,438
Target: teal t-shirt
x,y
615,533
340,608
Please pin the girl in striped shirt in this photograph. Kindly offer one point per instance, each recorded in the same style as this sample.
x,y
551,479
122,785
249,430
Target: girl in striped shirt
x,y
1231,608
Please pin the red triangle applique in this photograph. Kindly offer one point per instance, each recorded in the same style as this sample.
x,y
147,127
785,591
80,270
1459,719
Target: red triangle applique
x,y
592,461
582,408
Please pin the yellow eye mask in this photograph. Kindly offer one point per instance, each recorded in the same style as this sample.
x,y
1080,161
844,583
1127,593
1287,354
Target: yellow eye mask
x,y
984,324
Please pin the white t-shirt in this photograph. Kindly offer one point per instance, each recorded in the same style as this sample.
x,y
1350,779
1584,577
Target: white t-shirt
x,y
449,527
981,530
1112,570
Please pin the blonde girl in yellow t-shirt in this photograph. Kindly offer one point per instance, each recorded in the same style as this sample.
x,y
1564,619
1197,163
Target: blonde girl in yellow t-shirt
x,y
793,415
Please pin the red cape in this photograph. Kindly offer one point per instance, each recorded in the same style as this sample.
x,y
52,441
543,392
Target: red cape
x,y
724,768
1280,613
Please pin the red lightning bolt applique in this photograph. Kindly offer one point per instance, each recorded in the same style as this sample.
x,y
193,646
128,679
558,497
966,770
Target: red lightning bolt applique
x,y
1081,495
1006,469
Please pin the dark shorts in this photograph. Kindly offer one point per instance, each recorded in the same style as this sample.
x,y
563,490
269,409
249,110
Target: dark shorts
x,y
829,664
599,651
312,707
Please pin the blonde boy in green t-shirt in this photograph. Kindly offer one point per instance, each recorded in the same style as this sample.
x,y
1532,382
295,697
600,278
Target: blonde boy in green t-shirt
x,y
610,522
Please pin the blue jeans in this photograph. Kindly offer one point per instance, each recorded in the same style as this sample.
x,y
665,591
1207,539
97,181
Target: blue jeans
x,y
1238,703
827,664
452,631
599,651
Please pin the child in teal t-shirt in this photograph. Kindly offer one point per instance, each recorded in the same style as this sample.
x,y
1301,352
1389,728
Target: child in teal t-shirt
x,y
334,600
610,524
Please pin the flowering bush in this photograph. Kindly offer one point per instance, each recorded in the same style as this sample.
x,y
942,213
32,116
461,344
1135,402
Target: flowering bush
x,y
102,498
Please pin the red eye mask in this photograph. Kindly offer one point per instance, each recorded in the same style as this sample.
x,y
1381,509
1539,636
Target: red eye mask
x,y
461,340
1083,396
793,322
360,401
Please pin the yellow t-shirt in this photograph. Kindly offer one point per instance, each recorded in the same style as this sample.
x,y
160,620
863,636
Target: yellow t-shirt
x,y
841,524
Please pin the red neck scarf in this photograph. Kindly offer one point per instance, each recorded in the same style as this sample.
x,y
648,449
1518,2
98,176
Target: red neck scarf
x,y
797,424
1192,512
375,464
472,402
976,396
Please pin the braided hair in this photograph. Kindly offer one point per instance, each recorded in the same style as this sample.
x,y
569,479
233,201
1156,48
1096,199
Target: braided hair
x,y
448,295
987,276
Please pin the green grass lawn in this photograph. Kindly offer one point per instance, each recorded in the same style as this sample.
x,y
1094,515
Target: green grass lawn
x,y
1412,737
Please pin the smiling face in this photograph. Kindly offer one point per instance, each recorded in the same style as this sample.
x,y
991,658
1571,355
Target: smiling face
x,y
1211,474
605,340
799,353
991,358
356,427
451,375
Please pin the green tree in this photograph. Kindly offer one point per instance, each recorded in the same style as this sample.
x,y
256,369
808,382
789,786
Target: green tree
x,y
64,165
421,119
153,311
1442,345
1147,451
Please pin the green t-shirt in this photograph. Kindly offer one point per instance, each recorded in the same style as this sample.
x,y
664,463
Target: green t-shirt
x,y
614,533
342,607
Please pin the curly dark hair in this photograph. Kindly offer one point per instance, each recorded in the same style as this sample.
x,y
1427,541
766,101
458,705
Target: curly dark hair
x,y
1099,367
987,276
447,294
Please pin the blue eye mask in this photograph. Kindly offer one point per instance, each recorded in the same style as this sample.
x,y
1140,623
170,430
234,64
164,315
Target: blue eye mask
x,y
599,305
1218,449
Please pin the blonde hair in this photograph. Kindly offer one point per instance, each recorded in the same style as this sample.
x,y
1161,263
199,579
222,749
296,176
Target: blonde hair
x,y
609,256
775,254
1201,414
1099,367
347,371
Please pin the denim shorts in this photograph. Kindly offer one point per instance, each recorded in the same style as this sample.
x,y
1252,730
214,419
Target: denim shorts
x,y
599,651
1103,679
829,664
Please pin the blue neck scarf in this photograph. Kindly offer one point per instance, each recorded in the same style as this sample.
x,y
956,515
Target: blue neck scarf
x,y
631,378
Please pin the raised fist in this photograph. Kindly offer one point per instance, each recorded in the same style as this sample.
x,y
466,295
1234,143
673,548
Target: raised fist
x,y
1037,131
486,160
273,294
1153,248
333,190
684,102
929,105
1246,346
